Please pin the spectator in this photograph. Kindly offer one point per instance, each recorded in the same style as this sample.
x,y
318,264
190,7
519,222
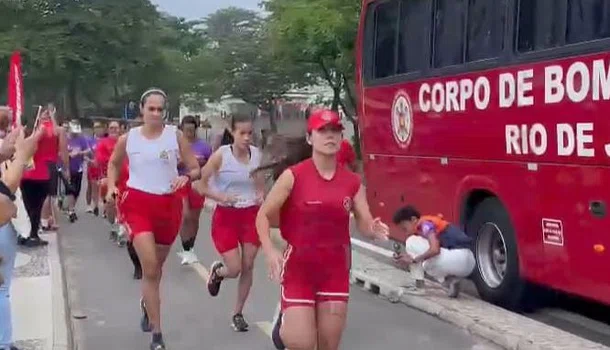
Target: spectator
x,y
437,247
11,176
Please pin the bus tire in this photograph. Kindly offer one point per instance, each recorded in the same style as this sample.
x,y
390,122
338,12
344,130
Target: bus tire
x,y
498,283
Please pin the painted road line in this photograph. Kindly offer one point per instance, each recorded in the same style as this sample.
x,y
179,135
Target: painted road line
x,y
373,248
266,327
201,271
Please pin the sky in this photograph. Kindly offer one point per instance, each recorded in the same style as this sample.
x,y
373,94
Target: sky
x,y
195,9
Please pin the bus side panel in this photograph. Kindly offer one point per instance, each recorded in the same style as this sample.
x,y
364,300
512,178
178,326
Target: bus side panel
x,y
572,240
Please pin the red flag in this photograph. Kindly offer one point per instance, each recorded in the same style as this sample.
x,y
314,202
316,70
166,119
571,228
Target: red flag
x,y
15,88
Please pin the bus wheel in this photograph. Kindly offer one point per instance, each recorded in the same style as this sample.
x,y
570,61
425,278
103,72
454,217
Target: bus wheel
x,y
497,276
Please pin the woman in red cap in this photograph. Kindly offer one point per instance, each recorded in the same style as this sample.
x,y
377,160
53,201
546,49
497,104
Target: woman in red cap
x,y
314,199
152,203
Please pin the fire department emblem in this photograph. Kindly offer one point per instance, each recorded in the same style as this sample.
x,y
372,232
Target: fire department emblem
x,y
348,204
402,119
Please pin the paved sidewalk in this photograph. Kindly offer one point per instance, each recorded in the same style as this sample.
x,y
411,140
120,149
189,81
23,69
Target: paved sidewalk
x,y
37,299
502,327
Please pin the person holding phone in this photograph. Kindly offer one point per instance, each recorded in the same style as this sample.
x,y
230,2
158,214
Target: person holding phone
x,y
40,181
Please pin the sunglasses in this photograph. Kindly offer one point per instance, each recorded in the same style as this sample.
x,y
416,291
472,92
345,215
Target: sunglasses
x,y
155,109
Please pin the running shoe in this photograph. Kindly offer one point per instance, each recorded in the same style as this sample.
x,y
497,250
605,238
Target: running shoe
x,y
239,323
122,237
72,216
145,321
157,345
215,280
89,210
189,257
275,332
96,211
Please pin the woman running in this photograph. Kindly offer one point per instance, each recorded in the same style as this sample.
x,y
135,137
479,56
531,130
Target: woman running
x,y
103,153
314,199
40,181
93,170
193,201
152,203
238,196
78,148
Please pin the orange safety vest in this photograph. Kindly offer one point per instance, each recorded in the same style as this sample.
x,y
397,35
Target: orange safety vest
x,y
438,221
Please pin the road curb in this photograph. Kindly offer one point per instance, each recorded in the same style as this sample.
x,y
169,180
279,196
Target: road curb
x,y
61,337
70,294
501,327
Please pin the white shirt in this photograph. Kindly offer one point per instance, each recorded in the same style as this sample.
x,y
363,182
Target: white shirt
x,y
233,177
153,164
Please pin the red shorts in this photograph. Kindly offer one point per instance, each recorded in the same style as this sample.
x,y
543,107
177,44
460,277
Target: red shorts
x,y
145,212
314,275
93,173
193,198
232,226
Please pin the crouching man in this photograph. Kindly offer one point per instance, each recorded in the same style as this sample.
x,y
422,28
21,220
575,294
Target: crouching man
x,y
436,247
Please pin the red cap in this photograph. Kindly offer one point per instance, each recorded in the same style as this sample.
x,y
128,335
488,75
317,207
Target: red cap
x,y
323,117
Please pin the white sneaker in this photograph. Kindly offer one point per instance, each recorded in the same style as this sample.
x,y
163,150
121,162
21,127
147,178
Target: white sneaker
x,y
189,257
89,210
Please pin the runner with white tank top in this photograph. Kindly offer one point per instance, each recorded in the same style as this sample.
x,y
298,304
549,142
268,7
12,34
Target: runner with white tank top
x,y
152,203
238,195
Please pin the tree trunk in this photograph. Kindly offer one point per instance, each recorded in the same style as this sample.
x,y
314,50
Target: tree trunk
x,y
336,99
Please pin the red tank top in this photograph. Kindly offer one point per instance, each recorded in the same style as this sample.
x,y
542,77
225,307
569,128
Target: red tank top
x,y
47,152
316,214
103,152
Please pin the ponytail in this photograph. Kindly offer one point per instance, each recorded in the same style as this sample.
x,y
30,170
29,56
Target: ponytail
x,y
284,153
227,138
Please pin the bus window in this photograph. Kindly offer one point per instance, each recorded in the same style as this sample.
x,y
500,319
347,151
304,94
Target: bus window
x,y
540,25
449,23
386,20
414,35
486,20
587,20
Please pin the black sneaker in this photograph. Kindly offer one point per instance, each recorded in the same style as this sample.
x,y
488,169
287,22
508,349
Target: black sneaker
x,y
34,242
275,332
144,321
215,280
239,324
96,211
72,217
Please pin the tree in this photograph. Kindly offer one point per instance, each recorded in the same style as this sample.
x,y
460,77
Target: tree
x,y
321,33
251,69
100,52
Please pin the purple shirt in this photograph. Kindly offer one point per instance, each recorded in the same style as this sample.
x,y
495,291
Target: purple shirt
x,y
77,144
202,151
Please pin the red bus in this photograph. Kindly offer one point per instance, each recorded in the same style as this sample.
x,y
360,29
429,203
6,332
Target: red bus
x,y
493,113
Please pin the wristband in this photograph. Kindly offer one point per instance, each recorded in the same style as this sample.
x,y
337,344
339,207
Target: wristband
x,y
6,191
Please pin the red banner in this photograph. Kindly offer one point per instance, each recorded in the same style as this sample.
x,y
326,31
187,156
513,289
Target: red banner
x,y
15,88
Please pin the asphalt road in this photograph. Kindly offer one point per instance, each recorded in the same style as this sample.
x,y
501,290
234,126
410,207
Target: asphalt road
x,y
107,301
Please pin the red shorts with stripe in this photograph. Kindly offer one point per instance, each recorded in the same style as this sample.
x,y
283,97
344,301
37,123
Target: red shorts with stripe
x,y
194,200
145,212
232,226
313,275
